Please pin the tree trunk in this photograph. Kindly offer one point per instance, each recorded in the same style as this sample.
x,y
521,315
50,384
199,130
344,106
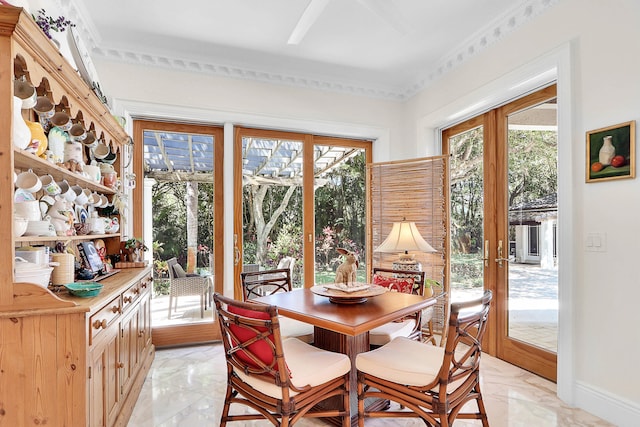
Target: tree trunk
x,y
192,225
263,227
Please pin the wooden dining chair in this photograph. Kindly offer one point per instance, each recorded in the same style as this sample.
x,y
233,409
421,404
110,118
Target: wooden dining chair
x,y
429,382
411,282
267,282
280,380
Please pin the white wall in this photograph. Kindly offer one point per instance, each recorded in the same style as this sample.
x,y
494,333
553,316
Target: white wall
x,y
592,47
595,47
202,97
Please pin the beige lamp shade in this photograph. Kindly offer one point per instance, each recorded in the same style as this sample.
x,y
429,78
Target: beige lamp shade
x,y
404,237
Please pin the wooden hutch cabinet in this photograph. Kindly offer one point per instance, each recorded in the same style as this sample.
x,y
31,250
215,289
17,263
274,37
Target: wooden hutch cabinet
x,y
64,360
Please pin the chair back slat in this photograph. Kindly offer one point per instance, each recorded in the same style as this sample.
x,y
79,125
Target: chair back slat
x,y
252,340
463,348
267,282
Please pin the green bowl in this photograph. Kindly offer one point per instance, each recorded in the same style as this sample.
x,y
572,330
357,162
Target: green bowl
x,y
84,290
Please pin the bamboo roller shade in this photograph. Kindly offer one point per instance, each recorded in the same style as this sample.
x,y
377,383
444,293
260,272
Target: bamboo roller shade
x,y
412,190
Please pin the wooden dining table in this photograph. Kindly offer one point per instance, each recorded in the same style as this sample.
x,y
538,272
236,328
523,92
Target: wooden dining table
x,y
345,328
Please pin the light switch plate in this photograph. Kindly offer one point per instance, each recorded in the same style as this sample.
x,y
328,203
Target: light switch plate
x,y
596,242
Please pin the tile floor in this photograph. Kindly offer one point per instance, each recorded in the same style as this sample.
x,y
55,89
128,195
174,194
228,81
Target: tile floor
x,y
185,388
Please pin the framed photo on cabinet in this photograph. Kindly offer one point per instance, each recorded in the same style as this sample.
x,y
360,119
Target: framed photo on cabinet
x,y
611,152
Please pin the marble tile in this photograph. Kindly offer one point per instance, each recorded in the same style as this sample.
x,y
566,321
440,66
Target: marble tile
x,y
185,388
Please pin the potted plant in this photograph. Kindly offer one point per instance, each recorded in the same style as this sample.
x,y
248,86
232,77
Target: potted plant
x,y
430,286
48,24
135,248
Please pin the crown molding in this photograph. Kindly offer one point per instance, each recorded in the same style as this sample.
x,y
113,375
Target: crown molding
x,y
495,31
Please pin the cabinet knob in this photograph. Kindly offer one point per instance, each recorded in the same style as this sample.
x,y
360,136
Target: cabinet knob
x,y
141,334
120,365
115,309
136,291
127,300
100,324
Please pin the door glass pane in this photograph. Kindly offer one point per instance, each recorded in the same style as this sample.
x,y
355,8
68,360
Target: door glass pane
x,y
533,213
184,213
467,213
272,205
340,209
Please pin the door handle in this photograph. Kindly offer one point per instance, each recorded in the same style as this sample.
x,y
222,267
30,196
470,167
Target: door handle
x,y
501,259
486,253
236,251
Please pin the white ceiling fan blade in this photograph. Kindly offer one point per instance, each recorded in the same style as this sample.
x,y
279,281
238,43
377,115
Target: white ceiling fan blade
x,y
387,11
309,16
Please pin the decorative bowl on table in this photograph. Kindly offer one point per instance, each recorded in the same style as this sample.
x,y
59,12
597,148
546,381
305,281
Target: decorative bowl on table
x,y
355,293
84,290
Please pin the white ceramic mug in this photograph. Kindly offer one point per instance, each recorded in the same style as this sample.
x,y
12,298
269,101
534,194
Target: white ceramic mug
x,y
66,191
26,92
78,190
77,133
49,185
44,107
101,150
28,181
45,110
94,199
90,140
81,197
61,120
97,200
87,193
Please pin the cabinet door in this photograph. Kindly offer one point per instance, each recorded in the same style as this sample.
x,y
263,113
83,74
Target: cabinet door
x,y
104,383
144,323
128,349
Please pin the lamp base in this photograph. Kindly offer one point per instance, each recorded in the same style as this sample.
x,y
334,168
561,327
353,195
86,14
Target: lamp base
x,y
407,264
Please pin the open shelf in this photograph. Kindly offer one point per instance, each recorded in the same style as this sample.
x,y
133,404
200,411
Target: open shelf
x,y
34,239
24,160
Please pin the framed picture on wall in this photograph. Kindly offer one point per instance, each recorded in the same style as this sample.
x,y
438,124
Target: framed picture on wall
x,y
611,152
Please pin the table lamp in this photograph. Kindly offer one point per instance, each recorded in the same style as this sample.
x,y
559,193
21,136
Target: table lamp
x,y
405,237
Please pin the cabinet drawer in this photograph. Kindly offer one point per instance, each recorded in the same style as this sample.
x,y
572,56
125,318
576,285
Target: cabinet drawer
x,y
130,296
104,318
146,284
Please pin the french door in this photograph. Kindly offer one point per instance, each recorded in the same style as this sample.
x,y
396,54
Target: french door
x,y
182,201
503,209
298,197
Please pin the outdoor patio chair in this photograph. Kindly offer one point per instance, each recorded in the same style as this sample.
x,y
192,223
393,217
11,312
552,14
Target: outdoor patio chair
x,y
182,284
398,281
432,383
267,282
278,379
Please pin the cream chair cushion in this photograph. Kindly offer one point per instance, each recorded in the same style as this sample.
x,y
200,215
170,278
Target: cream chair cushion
x,y
385,333
308,365
295,329
403,361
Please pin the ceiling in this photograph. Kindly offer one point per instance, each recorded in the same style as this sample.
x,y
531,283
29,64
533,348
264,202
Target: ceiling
x,y
380,48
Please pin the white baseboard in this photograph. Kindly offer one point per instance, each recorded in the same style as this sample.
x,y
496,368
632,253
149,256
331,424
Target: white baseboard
x,y
609,407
